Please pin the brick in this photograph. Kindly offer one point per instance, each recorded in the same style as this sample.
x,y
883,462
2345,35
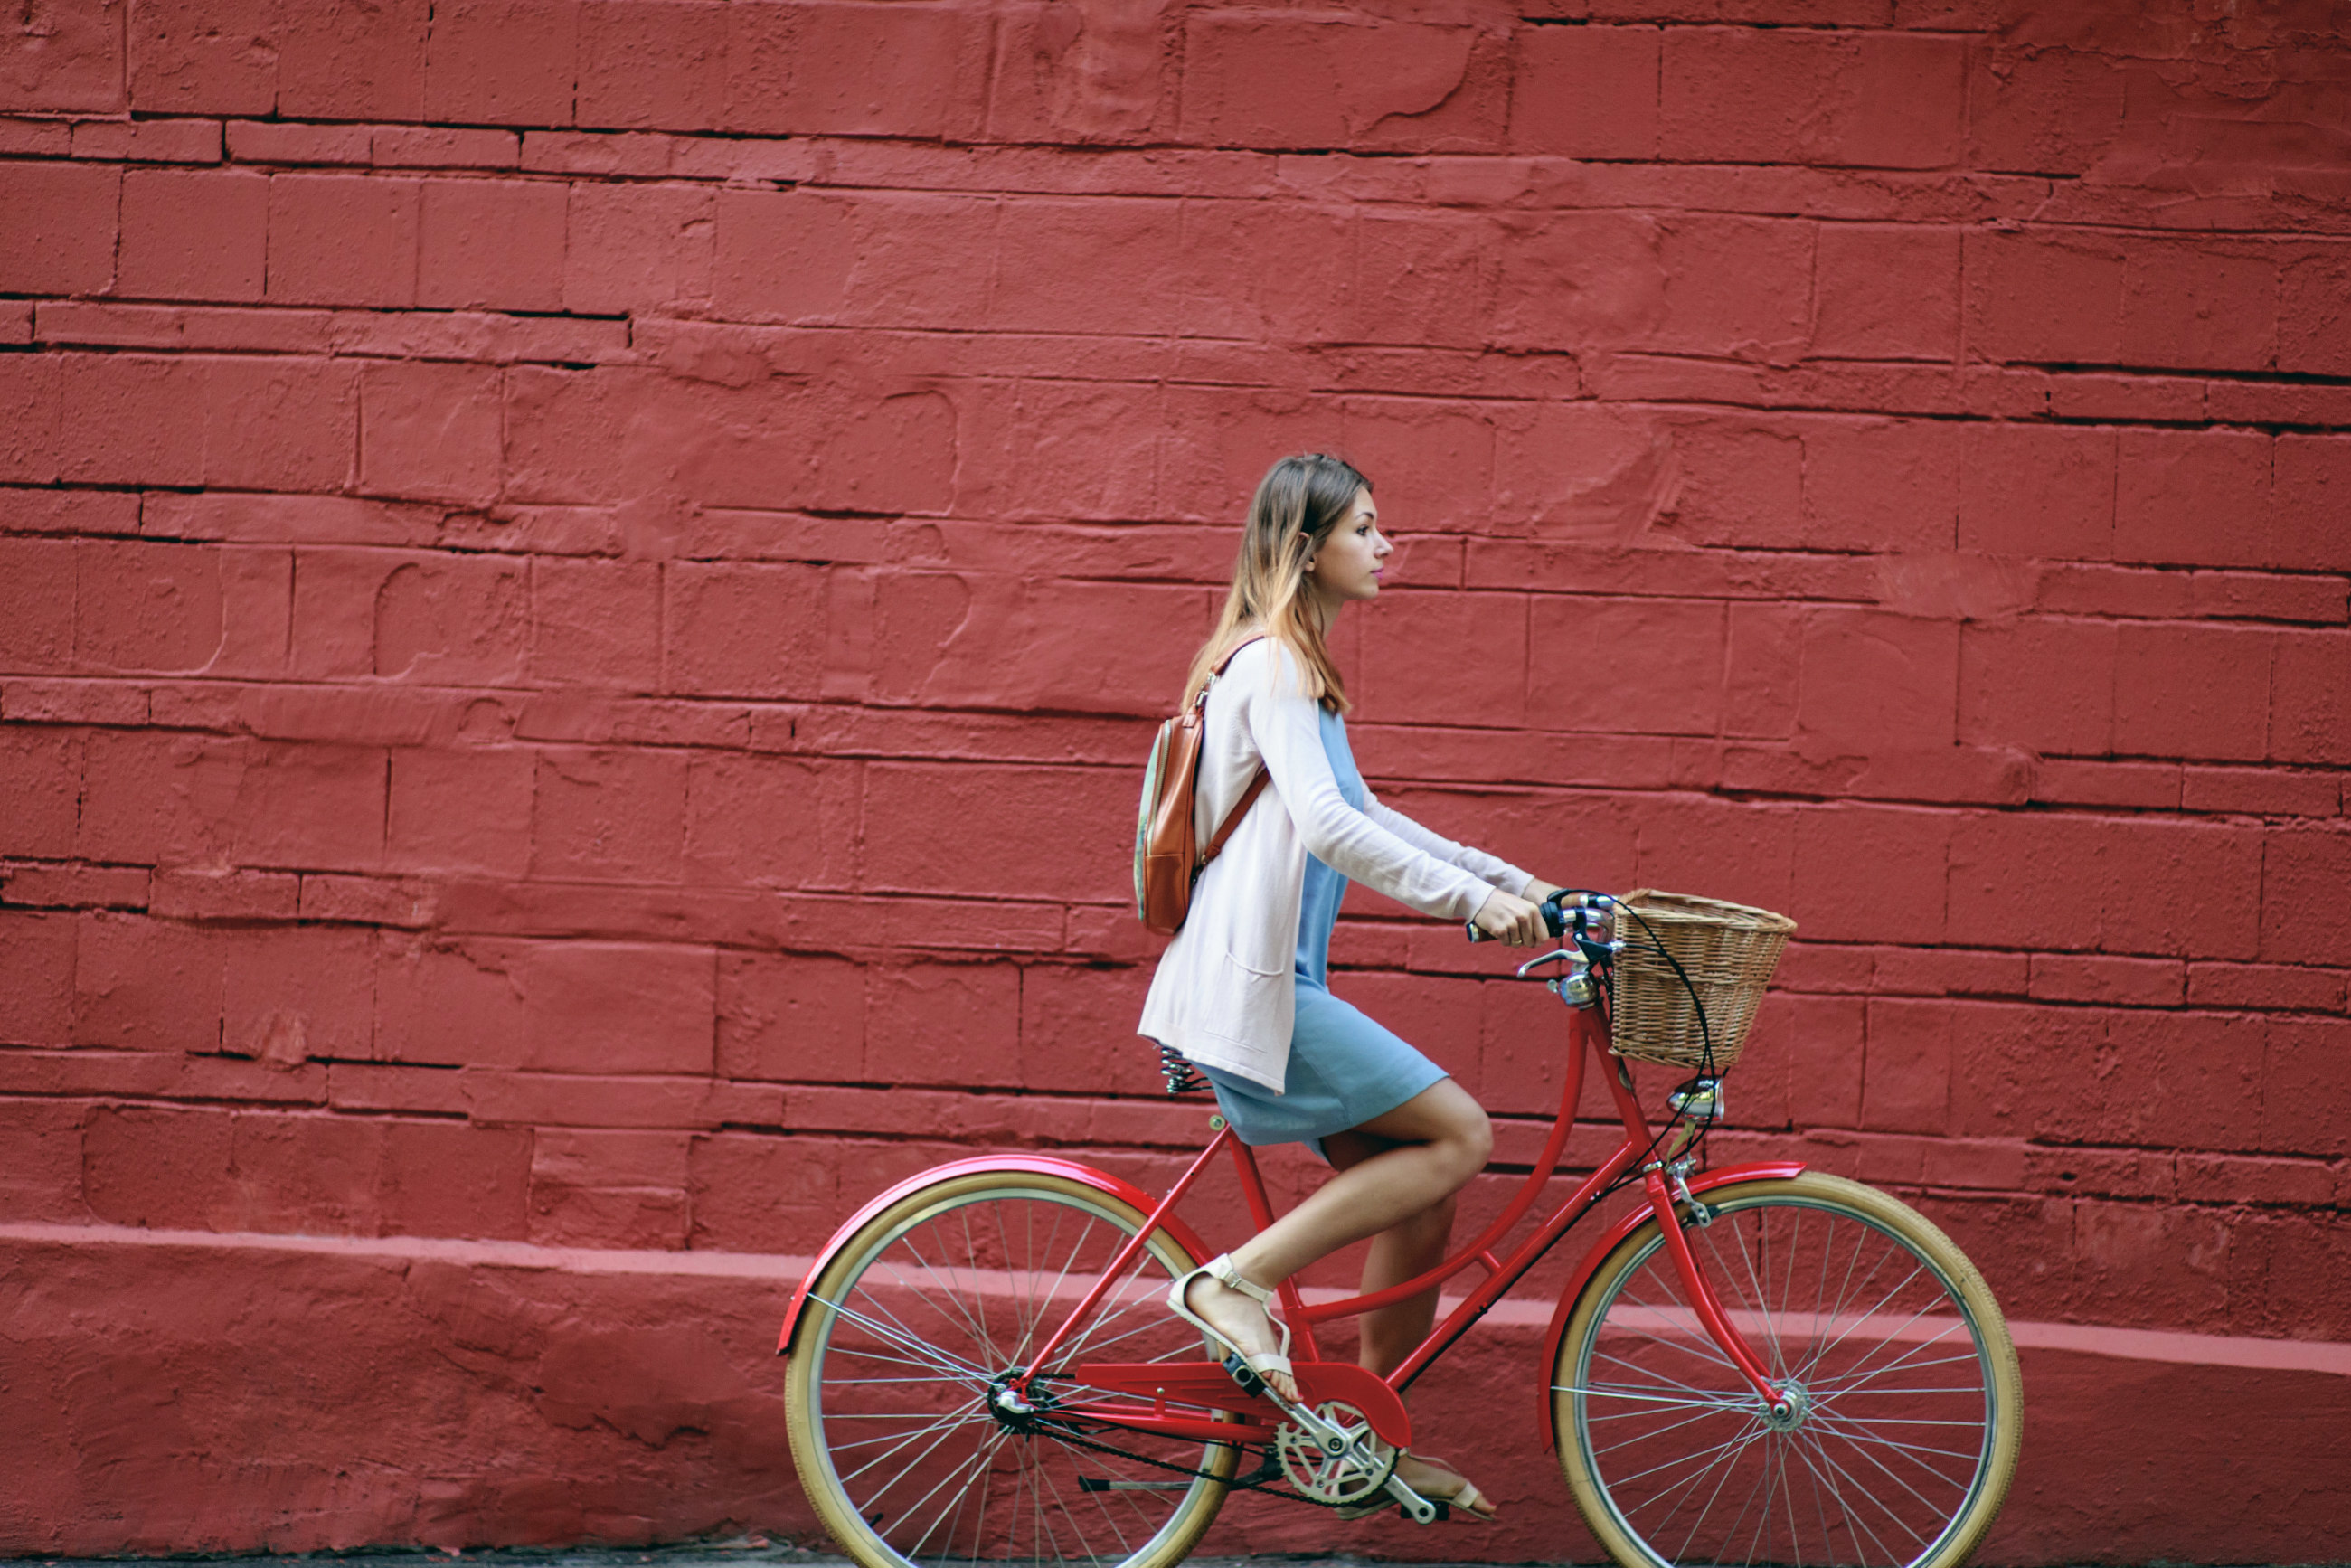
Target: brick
x,y
180,892
1906,1075
2263,791
2038,298
767,821
1870,874
155,1167
1072,1022
1735,286
342,239
2193,691
64,58
609,814
460,811
40,776
1119,266
2198,305
566,435
37,992
37,604
2314,311
61,235
504,62
272,424
608,1188
443,146
2310,698
1058,825
36,138
368,65
1742,850
792,1017
1873,680
1675,689
439,1179
149,141
744,631
192,234
2313,476
32,413
853,70
2306,1097
426,616
140,606
1950,971
2040,491
945,1023
1885,292
299,993
1586,92
133,419
2303,920
270,141
432,432
203,59
2051,111
653,64
2149,785
1397,683
2177,487
2046,684
145,985
2091,977
1881,486
2264,986
644,248
491,245
596,623
408,903
2074,883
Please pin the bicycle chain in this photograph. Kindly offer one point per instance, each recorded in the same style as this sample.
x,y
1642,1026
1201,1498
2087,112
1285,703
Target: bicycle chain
x,y
1267,1472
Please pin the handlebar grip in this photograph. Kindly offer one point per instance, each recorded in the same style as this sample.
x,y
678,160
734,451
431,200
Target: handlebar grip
x,y
1554,915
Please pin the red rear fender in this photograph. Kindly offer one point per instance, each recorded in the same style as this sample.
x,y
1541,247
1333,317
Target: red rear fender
x,y
1026,1164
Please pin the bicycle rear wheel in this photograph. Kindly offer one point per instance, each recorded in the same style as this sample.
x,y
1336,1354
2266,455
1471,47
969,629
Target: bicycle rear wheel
x,y
895,1362
1907,1399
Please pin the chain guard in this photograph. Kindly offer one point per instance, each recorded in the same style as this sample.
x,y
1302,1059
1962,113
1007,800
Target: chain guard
x,y
1349,1478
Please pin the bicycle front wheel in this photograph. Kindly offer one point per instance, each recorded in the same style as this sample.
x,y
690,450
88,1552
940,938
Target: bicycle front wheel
x,y
903,1447
1906,1403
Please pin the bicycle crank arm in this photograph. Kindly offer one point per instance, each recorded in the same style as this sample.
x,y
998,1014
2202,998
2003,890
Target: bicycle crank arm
x,y
1416,1508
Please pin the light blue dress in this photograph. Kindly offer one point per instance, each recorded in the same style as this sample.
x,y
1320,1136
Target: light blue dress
x,y
1344,1069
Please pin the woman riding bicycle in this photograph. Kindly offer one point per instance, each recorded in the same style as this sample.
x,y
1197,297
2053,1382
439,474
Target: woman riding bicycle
x,y
1242,993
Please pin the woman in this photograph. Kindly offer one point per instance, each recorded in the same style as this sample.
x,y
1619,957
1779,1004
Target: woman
x,y
1241,991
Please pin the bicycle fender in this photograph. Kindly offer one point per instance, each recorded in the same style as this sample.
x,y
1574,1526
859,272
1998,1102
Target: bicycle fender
x,y
1031,1164
1705,1181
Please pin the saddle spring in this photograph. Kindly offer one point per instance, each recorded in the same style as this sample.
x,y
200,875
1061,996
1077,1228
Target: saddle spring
x,y
1182,1077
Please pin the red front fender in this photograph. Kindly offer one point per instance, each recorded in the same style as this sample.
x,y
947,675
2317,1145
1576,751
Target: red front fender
x,y
1027,1164
1705,1181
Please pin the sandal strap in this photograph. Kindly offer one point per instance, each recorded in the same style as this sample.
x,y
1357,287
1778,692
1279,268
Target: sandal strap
x,y
1220,1269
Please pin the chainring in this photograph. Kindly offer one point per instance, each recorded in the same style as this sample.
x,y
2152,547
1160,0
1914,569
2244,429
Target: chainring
x,y
1347,1478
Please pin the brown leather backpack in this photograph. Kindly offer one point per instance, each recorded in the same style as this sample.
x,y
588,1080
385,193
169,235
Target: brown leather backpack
x,y
1167,856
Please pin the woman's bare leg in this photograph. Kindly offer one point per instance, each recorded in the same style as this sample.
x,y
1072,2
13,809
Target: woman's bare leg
x,y
1437,1141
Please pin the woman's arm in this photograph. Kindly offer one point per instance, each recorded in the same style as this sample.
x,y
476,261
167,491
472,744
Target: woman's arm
x,y
1286,726
1485,868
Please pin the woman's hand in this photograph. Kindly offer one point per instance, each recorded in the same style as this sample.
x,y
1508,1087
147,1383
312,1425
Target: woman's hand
x,y
1511,920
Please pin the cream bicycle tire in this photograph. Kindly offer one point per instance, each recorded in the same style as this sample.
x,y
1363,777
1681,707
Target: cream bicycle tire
x,y
1909,1400
886,1393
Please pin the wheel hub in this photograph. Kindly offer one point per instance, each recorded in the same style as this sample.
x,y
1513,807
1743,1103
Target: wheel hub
x,y
1790,1413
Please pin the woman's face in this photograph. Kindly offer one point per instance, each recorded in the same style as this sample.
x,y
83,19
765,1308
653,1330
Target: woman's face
x,y
1348,563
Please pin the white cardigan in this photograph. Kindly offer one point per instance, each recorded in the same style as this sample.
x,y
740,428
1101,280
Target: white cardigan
x,y
1224,993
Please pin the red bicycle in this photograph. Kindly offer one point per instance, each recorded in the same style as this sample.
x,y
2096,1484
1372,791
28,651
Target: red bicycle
x,y
1759,1363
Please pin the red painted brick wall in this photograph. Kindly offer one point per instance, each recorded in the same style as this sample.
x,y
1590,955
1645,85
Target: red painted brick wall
x,y
582,587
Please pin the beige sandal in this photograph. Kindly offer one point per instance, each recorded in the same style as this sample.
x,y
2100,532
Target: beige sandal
x,y
1466,1502
1246,1368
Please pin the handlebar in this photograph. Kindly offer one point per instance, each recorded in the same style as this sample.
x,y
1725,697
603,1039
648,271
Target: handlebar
x,y
1558,909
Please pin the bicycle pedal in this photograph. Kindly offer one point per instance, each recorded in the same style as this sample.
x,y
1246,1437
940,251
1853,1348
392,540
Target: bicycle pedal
x,y
1251,1384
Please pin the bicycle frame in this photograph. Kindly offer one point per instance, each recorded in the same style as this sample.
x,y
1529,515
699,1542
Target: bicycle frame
x,y
1206,1383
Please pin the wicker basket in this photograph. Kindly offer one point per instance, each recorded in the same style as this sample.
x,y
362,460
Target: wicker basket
x,y
1728,951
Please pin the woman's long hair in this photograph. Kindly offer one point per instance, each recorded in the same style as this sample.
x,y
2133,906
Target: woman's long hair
x,y
1299,502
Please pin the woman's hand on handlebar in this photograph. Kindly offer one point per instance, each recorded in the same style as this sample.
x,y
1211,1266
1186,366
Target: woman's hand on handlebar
x,y
1514,920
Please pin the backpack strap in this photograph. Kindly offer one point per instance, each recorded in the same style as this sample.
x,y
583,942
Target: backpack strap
x,y
1255,786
